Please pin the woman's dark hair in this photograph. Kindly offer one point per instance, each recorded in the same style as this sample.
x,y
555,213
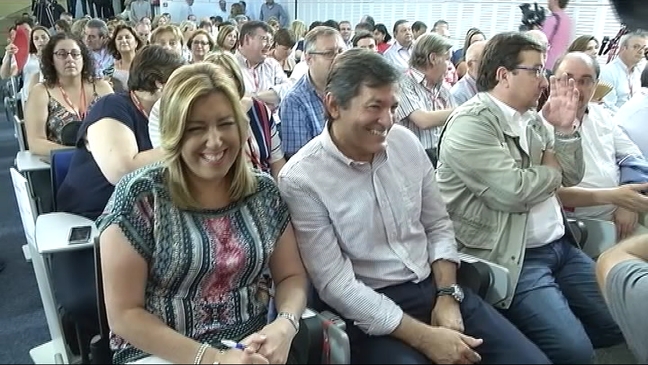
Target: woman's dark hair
x,y
580,43
503,50
333,24
112,43
284,37
47,60
32,46
63,24
314,24
469,34
381,28
151,65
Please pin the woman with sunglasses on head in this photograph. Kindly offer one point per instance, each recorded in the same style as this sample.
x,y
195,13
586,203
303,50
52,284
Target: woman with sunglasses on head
x,y
67,93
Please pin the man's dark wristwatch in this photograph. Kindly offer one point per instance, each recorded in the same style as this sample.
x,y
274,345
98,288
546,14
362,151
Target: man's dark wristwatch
x,y
454,290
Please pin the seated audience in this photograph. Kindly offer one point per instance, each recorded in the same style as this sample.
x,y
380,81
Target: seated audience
x,y
113,139
227,38
170,38
364,40
284,40
67,93
622,273
200,43
398,54
587,44
598,195
459,57
499,169
623,72
425,102
418,29
123,47
381,35
179,307
31,70
96,36
632,116
466,87
263,147
302,110
381,251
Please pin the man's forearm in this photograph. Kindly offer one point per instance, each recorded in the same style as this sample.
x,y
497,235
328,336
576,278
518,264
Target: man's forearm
x,y
445,273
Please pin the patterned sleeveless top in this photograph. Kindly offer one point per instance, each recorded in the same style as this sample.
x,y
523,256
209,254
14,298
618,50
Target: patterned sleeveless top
x,y
204,266
58,116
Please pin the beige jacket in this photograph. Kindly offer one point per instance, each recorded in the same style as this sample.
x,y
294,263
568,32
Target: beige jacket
x,y
489,183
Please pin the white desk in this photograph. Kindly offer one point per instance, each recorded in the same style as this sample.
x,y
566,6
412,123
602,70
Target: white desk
x,y
53,230
26,162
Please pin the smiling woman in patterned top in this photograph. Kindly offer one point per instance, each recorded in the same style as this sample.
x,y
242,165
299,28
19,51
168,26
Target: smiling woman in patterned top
x,y
185,242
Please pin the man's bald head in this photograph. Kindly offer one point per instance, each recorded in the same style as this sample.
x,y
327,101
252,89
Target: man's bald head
x,y
538,36
473,57
584,70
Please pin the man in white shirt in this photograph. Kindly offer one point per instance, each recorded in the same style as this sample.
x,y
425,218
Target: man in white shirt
x,y
598,195
347,33
633,116
499,169
622,73
222,10
398,54
378,244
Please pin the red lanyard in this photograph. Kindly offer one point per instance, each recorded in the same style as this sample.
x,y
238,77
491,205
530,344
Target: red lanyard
x,y
80,112
138,104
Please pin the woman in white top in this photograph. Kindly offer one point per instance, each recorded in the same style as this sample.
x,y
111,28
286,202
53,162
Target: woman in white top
x,y
123,46
37,40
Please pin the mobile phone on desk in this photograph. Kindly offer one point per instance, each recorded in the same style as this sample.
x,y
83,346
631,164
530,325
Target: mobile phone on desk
x,y
80,234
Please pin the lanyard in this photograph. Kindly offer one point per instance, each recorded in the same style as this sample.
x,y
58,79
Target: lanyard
x,y
255,77
138,104
80,112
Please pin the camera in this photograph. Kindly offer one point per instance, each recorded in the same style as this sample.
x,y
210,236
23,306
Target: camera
x,y
533,16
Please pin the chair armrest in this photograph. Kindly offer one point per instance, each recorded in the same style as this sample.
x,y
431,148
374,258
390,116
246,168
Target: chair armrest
x,y
600,236
500,281
327,338
475,275
579,229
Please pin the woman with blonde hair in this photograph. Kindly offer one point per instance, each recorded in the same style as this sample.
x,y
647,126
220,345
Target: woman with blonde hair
x,y
184,242
227,39
160,21
200,43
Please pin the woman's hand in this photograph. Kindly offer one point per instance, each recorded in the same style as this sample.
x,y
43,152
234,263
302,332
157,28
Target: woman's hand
x,y
273,341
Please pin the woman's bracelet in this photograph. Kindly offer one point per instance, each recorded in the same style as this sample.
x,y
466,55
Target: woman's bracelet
x,y
201,352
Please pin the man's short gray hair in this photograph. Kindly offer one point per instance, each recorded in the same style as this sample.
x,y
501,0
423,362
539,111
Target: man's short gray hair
x,y
426,44
320,31
98,24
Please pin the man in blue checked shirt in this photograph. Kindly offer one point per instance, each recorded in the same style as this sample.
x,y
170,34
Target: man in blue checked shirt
x,y
302,110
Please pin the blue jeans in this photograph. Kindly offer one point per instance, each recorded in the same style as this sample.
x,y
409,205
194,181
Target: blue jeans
x,y
503,343
558,305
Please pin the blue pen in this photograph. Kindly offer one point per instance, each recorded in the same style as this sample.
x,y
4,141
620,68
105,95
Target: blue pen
x,y
233,345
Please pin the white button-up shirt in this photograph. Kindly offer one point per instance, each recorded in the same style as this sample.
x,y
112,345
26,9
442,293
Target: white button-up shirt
x,y
602,142
624,83
633,119
398,56
545,222
384,225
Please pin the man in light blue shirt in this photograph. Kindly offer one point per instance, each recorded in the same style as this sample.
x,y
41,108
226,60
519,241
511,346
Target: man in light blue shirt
x,y
398,54
466,88
273,10
302,110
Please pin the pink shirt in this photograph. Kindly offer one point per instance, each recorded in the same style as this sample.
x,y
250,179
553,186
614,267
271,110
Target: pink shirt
x,y
558,28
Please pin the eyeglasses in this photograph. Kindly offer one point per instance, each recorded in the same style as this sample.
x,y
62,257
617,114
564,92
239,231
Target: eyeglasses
x,y
330,54
61,54
200,43
539,71
585,82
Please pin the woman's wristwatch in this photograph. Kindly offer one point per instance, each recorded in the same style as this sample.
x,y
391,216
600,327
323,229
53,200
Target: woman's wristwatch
x,y
291,317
